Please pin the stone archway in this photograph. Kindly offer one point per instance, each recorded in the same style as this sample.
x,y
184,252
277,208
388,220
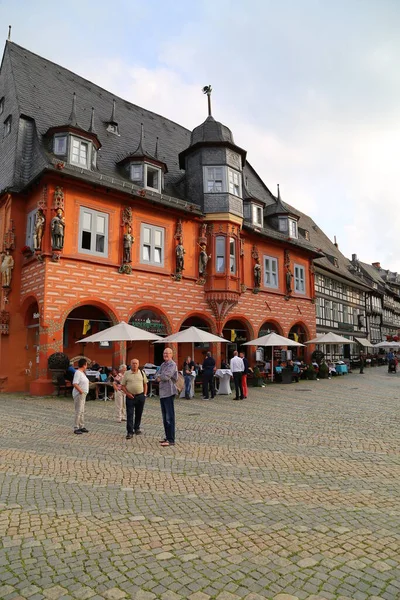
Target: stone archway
x,y
81,322
298,333
238,333
153,320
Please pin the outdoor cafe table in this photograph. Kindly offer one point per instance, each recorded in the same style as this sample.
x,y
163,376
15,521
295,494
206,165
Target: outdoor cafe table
x,y
193,376
341,369
106,384
224,376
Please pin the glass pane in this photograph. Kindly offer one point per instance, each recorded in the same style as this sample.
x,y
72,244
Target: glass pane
x,y
60,145
157,255
218,173
232,247
220,264
146,253
146,235
86,240
87,221
157,237
101,224
220,246
100,239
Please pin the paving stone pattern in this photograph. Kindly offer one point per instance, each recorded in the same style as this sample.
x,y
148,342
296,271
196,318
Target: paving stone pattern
x,y
291,494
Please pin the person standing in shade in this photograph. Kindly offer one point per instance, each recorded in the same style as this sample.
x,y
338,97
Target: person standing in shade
x,y
81,388
362,363
208,376
134,386
188,368
244,376
119,396
167,377
237,368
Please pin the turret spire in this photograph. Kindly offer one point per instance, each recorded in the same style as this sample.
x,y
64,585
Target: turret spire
x,y
113,117
156,150
279,193
9,33
207,89
72,118
91,126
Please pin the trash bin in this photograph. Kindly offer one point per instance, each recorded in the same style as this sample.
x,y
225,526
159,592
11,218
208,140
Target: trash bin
x,y
287,375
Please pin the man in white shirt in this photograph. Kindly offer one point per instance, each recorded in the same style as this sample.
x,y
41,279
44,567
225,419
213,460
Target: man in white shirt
x,y
237,368
81,389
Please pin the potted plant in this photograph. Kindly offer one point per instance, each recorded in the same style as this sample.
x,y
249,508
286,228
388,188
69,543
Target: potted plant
x,y
57,363
257,379
323,372
311,373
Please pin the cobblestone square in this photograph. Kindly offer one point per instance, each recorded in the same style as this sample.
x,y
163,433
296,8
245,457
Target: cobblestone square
x,y
290,494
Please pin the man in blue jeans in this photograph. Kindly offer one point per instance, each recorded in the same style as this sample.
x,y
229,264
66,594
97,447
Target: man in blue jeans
x,y
167,377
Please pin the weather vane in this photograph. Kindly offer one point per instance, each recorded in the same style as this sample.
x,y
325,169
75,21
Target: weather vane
x,y
207,89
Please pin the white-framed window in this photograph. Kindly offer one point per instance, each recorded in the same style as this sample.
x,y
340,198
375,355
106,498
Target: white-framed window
x,y
328,309
1,105
153,178
299,279
93,232
136,172
234,183
7,126
30,227
214,180
220,254
257,215
335,311
152,245
293,228
60,145
79,154
232,255
270,271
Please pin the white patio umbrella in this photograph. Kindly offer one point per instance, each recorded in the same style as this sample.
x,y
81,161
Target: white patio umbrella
x,y
122,332
387,345
192,335
330,338
270,340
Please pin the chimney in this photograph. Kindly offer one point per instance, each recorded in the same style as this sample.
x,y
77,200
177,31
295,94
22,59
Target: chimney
x,y
377,265
354,258
335,242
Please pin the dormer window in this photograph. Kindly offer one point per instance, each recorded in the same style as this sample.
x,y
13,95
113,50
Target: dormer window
x,y
148,176
222,179
214,180
60,145
257,215
137,173
153,179
289,226
293,228
234,182
113,128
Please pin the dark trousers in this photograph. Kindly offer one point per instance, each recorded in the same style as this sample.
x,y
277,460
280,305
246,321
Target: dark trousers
x,y
134,407
208,383
188,385
237,378
168,416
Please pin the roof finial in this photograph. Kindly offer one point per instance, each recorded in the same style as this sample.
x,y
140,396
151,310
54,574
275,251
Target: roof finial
x,y
72,118
207,89
335,242
279,193
113,118
91,126
156,150
9,33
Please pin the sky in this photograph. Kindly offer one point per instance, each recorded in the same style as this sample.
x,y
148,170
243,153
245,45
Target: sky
x,y
310,88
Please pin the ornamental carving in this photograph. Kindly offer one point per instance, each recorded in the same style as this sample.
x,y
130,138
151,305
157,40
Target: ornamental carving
x,y
38,231
127,241
4,322
58,230
221,303
7,266
58,200
9,237
288,275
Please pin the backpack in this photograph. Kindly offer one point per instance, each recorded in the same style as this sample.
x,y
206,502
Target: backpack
x,y
180,382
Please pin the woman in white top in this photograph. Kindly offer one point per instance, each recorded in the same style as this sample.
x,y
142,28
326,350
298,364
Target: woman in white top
x,y
81,389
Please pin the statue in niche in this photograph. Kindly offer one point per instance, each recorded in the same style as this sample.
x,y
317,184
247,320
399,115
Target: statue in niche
x,y
128,241
40,221
6,268
203,260
180,257
289,279
57,230
257,274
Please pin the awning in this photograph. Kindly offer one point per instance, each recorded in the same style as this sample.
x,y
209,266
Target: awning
x,y
364,342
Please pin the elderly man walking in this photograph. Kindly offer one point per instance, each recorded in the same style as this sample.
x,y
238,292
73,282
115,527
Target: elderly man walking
x,y
81,388
134,385
167,377
237,368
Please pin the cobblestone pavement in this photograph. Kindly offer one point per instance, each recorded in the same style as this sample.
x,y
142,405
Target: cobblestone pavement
x,y
291,494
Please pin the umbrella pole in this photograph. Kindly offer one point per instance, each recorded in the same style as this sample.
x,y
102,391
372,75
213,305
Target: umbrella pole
x,y
272,365
123,352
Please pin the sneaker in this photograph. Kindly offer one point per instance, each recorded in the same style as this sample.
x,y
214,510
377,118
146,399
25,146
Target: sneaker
x,y
129,436
84,430
78,431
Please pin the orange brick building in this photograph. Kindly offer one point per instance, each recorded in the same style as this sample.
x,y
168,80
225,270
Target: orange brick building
x,y
115,213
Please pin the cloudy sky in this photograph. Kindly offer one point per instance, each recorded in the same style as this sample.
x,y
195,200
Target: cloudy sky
x,y
310,88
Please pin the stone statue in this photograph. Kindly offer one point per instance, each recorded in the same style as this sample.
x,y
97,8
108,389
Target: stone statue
x,y
203,260
180,260
40,221
289,277
7,266
257,274
128,241
57,230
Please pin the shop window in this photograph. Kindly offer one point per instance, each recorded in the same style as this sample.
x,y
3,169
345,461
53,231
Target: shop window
x,y
270,272
299,279
93,232
220,254
152,245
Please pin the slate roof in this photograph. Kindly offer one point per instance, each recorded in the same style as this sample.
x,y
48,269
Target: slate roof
x,y
372,273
